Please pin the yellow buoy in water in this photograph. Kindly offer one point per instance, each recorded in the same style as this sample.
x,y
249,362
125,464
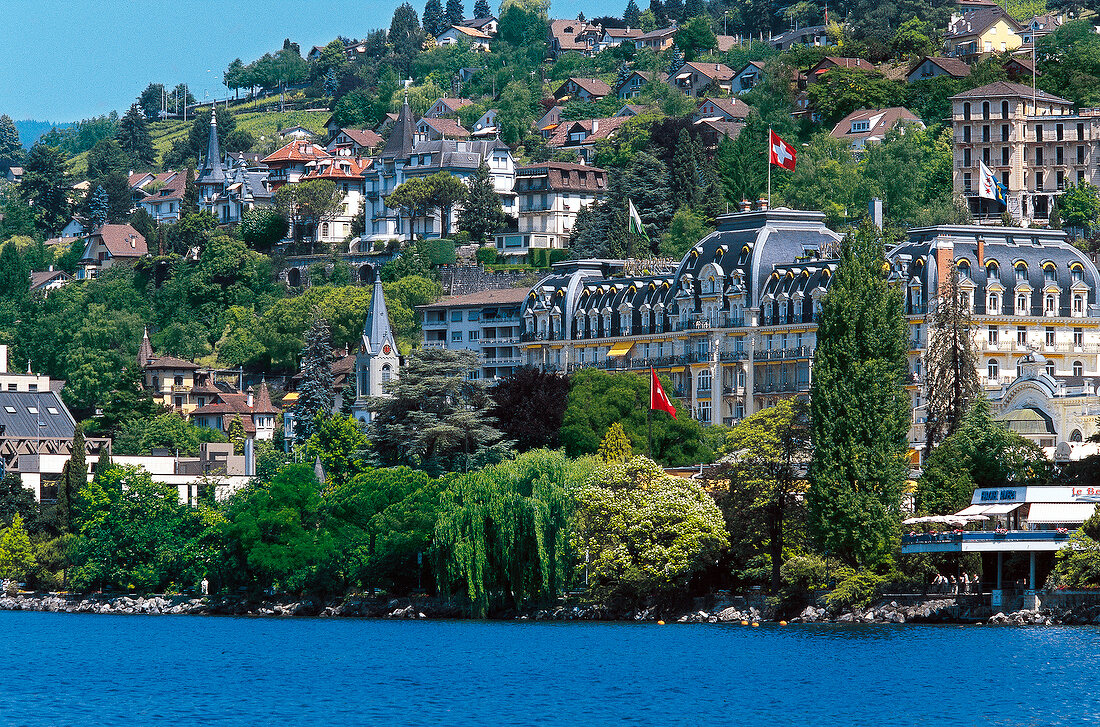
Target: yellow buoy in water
x,y
744,623
755,624
660,623
782,623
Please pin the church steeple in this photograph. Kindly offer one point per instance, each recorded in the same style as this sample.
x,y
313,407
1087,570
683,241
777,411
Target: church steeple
x,y
400,142
376,330
145,350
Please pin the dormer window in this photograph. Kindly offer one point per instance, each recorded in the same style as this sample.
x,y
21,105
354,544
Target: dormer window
x,y
1049,274
1021,273
964,270
859,126
1077,274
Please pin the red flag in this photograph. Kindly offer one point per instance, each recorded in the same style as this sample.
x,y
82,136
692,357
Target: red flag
x,y
780,153
657,398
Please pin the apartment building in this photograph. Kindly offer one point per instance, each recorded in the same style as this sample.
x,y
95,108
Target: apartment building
x,y
1031,140
550,195
487,322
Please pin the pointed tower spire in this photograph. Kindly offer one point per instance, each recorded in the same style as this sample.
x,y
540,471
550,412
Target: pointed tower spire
x,y
213,171
145,350
376,330
400,143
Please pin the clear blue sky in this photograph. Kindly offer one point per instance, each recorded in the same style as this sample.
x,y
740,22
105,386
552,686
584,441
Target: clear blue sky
x,y
65,61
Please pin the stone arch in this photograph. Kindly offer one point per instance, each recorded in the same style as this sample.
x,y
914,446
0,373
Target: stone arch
x,y
294,277
365,273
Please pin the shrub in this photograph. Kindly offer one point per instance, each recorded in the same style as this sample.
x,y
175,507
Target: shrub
x,y
855,591
486,255
438,252
801,575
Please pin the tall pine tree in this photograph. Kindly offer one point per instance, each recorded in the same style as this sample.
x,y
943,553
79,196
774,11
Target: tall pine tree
x,y
45,186
674,10
860,411
315,396
99,206
632,15
482,213
434,22
676,60
694,8
950,364
455,12
11,149
685,171
482,9
133,137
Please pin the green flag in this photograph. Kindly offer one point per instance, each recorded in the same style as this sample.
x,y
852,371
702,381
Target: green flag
x,y
636,225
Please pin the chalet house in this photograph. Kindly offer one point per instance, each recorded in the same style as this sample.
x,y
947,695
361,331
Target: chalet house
x,y
299,133
486,125
429,129
583,89
485,25
695,78
461,35
722,109
14,175
354,142
163,203
574,36
1039,26
550,196
828,63
47,281
446,106
346,172
631,109
635,83
656,40
867,125
933,66
549,122
258,416
747,77
581,136
108,246
978,32
613,37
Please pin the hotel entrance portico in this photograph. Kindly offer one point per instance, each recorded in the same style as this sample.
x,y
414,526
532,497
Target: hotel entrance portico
x,y
1014,519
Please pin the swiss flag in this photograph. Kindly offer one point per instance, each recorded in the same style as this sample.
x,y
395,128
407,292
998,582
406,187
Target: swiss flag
x,y
657,398
780,153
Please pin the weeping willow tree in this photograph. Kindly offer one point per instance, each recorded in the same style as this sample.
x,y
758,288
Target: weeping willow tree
x,y
502,533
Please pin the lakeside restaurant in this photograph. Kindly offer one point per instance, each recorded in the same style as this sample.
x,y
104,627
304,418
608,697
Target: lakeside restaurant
x,y
1036,520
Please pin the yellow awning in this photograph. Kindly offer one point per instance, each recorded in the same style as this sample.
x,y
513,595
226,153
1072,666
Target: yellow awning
x,y
672,370
620,349
292,396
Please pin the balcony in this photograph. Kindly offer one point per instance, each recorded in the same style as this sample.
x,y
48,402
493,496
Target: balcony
x,y
435,344
434,323
739,355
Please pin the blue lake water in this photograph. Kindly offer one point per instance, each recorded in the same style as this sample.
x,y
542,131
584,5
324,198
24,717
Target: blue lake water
x,y
60,669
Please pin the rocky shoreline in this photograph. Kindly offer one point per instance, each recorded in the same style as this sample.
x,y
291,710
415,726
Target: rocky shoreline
x,y
930,611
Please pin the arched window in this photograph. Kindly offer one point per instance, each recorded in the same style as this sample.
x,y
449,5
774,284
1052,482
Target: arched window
x,y
1050,274
767,313
1078,368
1050,368
783,312
991,270
994,304
385,373
1050,304
324,229
993,370
1021,304
798,310
964,269
1078,304
1021,273
1077,274
1075,436
1019,367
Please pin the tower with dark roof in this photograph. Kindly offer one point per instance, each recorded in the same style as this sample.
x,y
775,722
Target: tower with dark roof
x,y
377,362
400,142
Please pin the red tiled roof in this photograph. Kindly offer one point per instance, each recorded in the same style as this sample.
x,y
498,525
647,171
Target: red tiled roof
x,y
836,61
604,129
446,127
170,362
470,32
594,86
715,71
363,137
296,151
121,240
338,168
454,104
951,66
732,107
881,120
484,297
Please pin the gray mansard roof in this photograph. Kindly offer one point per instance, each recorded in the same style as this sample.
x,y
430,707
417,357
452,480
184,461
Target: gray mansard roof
x,y
34,414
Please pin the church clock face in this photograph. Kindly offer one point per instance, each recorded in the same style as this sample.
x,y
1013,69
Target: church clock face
x,y
386,349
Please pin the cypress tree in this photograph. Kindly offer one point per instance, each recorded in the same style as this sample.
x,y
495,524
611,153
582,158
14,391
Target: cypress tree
x,y
133,137
676,61
433,18
685,171
624,73
482,213
950,365
98,206
14,273
315,396
658,9
190,202
482,10
860,411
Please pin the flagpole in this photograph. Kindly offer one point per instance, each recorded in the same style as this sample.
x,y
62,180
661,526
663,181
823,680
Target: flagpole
x,y
768,158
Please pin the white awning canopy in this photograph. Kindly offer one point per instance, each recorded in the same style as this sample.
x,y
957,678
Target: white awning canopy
x,y
988,509
1061,512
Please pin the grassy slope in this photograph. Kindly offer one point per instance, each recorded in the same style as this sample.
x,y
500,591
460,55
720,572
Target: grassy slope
x,y
259,123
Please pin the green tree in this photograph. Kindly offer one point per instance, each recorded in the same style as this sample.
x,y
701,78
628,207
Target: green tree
x,y
455,12
16,500
16,553
529,407
684,171
598,398
315,395
434,22
133,137
515,112
166,430
307,204
950,363
482,213
481,9
767,454
1079,206
405,36
615,447
687,228
913,39
645,533
106,157
502,533
338,442
45,187
859,409
694,37
262,227
11,148
632,15
840,91
435,417
982,452
14,273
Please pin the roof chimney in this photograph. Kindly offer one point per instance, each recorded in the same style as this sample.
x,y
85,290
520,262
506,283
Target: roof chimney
x,y
745,205
762,204
981,252
251,398
595,125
